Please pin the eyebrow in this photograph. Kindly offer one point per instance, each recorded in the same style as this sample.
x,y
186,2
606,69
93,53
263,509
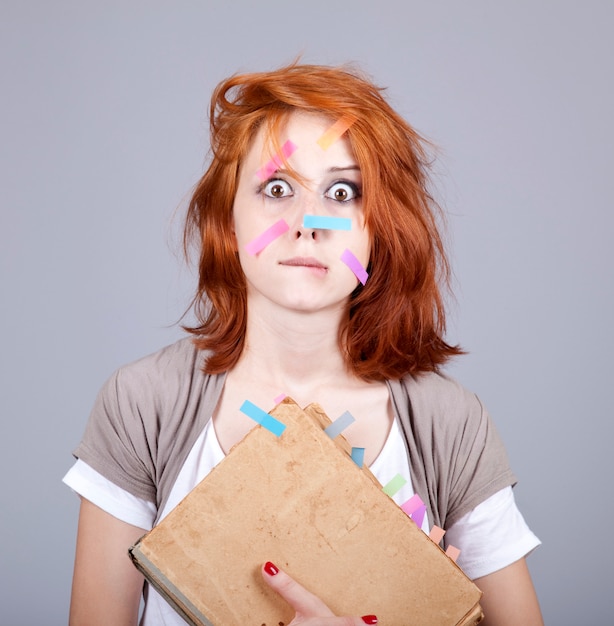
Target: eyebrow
x,y
353,168
332,170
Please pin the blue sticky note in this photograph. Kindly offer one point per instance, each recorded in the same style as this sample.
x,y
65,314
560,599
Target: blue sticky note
x,y
358,456
325,222
263,418
340,424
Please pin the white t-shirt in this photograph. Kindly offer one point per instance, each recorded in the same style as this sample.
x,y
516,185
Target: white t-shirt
x,y
490,537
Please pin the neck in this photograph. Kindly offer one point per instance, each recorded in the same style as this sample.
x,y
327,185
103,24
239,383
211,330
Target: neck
x,y
292,349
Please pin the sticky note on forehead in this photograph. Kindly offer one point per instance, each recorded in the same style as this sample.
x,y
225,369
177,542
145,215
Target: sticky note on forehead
x,y
276,161
335,131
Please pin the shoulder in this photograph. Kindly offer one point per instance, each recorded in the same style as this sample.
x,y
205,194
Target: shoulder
x,y
435,397
174,361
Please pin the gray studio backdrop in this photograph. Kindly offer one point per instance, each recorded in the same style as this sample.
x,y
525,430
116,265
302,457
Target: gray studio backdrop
x,y
103,131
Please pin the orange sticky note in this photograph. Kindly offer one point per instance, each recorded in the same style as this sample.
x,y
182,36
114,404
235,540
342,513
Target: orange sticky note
x,y
335,131
453,552
437,534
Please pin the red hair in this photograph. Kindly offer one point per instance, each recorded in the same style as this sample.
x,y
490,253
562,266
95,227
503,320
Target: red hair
x,y
395,324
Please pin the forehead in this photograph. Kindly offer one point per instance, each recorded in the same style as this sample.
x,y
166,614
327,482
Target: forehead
x,y
303,130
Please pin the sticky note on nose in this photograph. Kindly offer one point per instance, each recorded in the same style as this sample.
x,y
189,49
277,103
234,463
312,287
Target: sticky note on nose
x,y
325,222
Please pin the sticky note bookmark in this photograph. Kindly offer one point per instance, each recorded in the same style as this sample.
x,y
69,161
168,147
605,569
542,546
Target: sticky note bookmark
x,y
335,131
279,398
354,264
418,515
263,418
340,424
436,534
453,552
412,505
358,456
394,485
326,222
276,161
416,509
270,234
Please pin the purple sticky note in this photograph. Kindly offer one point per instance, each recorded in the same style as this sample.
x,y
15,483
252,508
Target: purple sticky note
x,y
354,264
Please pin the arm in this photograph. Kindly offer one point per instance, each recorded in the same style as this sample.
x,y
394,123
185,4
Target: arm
x,y
106,586
509,597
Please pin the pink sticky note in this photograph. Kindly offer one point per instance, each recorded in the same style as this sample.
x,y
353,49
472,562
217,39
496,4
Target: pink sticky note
x,y
270,234
437,534
412,505
279,398
453,552
286,150
354,264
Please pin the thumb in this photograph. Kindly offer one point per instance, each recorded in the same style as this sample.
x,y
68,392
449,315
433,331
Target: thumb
x,y
306,604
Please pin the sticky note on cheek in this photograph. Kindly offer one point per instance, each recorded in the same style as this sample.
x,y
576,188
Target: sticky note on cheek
x,y
354,264
276,162
270,234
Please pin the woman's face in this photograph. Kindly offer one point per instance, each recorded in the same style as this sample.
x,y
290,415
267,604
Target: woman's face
x,y
301,269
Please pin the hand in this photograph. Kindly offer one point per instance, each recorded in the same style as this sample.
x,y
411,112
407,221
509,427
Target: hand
x,y
310,610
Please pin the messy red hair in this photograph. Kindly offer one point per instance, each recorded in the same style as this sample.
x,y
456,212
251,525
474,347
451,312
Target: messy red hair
x,y
395,324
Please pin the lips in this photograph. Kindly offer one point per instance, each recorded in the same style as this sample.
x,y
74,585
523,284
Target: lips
x,y
300,261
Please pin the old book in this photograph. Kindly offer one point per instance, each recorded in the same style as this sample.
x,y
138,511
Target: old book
x,y
300,501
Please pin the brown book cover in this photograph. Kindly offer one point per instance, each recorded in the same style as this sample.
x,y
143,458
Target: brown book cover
x,y
299,500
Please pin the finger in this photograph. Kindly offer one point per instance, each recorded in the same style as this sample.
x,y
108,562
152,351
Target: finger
x,y
305,603
310,610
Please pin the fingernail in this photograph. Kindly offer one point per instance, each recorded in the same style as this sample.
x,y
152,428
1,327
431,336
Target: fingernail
x,y
271,570
369,619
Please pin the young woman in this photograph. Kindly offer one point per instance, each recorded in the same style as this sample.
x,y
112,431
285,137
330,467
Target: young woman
x,y
321,269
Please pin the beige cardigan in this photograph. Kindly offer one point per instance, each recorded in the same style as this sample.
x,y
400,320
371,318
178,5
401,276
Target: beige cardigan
x,y
149,414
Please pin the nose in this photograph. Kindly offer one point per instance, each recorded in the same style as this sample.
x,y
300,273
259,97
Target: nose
x,y
306,206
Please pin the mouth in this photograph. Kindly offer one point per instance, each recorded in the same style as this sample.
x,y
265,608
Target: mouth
x,y
300,261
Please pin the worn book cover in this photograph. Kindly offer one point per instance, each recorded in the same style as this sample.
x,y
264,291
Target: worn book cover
x,y
300,501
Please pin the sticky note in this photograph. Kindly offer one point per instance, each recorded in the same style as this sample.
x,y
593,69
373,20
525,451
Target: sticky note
x,y
340,424
418,515
270,234
326,222
436,534
358,456
394,485
354,264
263,418
412,505
335,131
276,161
279,398
453,552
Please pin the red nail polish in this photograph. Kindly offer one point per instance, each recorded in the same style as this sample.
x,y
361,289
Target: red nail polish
x,y
369,619
271,570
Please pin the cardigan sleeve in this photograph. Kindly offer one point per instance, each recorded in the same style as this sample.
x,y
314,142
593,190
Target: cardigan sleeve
x,y
146,419
456,456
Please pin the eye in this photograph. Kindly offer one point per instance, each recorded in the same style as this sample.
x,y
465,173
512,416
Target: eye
x,y
277,188
343,191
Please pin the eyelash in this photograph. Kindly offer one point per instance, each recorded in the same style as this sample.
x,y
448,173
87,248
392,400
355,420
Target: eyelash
x,y
356,190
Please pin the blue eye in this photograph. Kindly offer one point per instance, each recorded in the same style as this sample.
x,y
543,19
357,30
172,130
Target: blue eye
x,y
277,188
343,192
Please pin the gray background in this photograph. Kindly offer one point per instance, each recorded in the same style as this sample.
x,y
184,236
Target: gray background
x,y
103,131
